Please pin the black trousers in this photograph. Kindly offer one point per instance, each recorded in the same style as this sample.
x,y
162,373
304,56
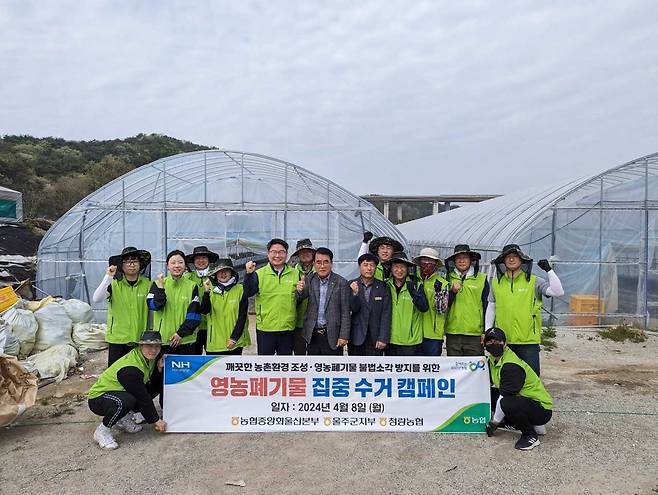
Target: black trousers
x,y
523,413
529,353
237,351
117,351
404,350
319,346
200,343
271,343
365,349
184,349
113,406
299,344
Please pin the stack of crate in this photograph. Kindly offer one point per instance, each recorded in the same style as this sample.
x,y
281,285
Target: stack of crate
x,y
585,303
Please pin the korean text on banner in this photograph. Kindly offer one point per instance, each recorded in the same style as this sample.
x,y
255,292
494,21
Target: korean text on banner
x,y
264,393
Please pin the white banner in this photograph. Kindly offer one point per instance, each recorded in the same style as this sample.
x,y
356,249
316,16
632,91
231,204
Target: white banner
x,y
316,393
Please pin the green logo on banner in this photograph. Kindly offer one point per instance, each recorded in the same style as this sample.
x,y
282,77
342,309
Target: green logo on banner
x,y
469,419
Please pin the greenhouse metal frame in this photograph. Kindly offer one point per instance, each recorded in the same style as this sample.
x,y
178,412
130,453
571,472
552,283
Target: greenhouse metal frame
x,y
601,232
231,201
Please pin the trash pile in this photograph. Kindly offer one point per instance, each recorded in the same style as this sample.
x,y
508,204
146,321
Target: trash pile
x,y
48,335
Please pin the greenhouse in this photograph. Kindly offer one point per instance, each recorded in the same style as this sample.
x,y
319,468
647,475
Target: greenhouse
x,y
231,201
601,232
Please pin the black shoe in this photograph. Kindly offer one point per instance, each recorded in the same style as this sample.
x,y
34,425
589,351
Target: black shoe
x,y
527,442
491,428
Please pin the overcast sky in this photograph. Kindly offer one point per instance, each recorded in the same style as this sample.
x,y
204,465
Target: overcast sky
x,y
380,96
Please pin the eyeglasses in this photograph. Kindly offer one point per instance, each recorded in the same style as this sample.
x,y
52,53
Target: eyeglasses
x,y
281,253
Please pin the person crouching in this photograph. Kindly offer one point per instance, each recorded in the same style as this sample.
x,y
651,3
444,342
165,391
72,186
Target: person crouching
x,y
124,387
518,396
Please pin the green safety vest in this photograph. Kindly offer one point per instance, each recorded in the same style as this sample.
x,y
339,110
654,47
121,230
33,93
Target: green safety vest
x,y
433,322
302,306
127,312
108,381
406,322
168,320
276,304
379,272
518,310
533,388
194,277
465,316
224,311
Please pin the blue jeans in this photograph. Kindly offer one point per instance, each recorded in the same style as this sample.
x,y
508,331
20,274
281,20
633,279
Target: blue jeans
x,y
528,353
432,347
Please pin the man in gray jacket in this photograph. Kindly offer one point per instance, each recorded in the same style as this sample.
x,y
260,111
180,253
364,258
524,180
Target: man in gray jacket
x,y
327,322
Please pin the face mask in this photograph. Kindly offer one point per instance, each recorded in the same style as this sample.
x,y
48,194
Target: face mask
x,y
427,271
496,350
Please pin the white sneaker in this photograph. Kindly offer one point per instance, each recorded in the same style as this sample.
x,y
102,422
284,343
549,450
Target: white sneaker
x,y
103,435
138,418
540,429
128,425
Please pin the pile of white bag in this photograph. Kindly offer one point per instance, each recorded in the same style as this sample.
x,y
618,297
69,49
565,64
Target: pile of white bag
x,y
49,334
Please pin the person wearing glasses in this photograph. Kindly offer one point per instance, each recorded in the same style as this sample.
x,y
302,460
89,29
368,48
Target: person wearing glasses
x,y
276,305
125,287
327,322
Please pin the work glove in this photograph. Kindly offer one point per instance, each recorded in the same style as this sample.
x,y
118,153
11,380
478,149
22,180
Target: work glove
x,y
437,286
411,287
367,236
544,265
491,428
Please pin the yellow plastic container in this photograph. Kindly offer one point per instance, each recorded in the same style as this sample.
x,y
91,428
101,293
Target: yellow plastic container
x,y
7,298
585,303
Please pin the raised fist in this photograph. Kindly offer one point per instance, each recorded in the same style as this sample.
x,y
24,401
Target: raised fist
x,y
250,267
367,236
207,285
111,270
456,287
160,280
544,265
355,287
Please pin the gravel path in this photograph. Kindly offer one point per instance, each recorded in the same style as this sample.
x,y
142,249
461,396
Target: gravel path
x,y
585,452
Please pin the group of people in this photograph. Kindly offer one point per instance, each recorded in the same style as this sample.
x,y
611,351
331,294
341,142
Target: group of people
x,y
396,307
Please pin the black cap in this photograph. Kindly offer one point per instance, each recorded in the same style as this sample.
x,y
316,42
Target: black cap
x,y
512,248
222,264
495,333
143,256
277,241
463,249
389,241
201,251
302,244
399,257
150,337
368,257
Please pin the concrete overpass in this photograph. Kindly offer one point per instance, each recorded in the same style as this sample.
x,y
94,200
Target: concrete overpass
x,y
439,203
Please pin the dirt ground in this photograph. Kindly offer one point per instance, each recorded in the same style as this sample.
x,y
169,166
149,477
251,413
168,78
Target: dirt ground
x,y
603,439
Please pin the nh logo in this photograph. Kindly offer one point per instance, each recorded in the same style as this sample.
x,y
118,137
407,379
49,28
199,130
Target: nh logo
x,y
180,364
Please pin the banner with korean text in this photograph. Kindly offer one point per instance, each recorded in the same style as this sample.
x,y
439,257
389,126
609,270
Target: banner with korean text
x,y
315,393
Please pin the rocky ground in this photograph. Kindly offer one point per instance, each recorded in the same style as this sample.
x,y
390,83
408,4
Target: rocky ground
x,y
603,439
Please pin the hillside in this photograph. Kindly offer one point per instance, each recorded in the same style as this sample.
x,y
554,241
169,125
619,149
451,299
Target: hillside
x,y
53,173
